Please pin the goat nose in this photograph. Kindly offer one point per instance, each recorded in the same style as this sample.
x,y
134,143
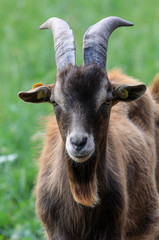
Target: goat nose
x,y
78,143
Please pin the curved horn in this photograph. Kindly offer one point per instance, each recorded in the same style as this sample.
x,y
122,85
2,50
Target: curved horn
x,y
95,41
64,42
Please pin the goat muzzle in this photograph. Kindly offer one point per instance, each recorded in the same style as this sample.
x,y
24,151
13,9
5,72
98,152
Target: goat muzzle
x,y
80,147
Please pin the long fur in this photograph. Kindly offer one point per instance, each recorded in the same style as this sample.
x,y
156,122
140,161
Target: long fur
x,y
154,90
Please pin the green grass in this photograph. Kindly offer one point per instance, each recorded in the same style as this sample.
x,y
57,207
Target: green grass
x,y
27,57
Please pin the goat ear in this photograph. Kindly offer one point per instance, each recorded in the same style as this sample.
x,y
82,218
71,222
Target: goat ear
x,y
128,93
38,94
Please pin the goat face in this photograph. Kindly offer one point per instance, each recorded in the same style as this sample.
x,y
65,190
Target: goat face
x,y
82,98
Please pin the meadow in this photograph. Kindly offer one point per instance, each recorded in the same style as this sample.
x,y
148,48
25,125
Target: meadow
x,y
27,57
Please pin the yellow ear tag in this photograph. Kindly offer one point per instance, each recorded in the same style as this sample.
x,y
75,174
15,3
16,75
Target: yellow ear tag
x,y
40,95
125,94
37,85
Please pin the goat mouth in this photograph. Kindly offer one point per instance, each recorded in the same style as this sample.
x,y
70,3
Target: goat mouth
x,y
80,158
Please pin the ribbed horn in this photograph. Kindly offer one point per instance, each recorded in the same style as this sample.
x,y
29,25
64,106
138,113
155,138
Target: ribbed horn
x,y
95,41
64,42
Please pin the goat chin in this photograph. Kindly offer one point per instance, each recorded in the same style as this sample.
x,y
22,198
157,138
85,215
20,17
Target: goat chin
x,y
80,159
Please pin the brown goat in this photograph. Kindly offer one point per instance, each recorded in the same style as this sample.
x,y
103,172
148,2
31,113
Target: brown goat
x,y
97,168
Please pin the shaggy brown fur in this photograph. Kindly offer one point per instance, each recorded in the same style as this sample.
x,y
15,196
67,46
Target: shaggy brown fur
x,y
122,186
154,89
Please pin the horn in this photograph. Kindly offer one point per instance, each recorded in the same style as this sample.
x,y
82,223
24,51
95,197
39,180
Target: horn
x,y
64,42
95,41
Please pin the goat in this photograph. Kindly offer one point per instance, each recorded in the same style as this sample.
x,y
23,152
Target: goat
x,y
97,169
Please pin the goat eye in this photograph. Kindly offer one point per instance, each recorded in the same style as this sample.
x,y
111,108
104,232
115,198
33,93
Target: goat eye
x,y
108,102
54,103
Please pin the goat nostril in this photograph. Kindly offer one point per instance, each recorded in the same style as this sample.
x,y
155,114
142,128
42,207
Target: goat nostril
x,y
78,143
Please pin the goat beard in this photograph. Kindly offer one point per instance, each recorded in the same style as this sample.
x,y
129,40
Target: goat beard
x,y
85,194
83,182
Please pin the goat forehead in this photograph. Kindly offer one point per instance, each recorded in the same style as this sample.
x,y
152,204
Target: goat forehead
x,y
82,85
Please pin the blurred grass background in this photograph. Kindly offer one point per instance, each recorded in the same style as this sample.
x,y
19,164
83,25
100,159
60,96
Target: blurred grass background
x,y
27,57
